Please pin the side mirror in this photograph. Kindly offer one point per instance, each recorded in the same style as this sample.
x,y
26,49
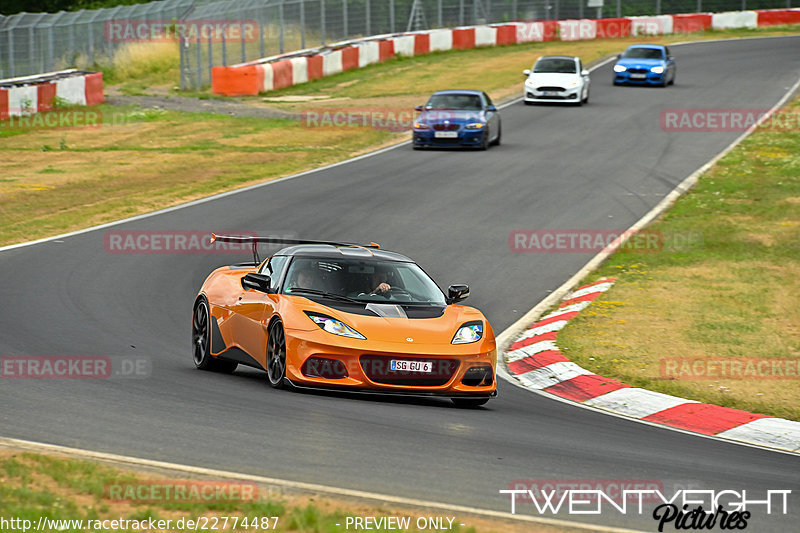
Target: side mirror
x,y
457,293
491,108
670,58
256,281
526,72
584,73
619,56
417,108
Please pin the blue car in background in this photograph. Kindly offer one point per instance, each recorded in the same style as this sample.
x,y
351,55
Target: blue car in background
x,y
457,118
645,64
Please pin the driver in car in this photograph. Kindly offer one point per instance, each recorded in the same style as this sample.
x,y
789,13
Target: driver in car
x,y
380,281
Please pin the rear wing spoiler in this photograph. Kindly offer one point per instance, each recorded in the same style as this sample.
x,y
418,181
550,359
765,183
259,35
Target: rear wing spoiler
x,y
245,239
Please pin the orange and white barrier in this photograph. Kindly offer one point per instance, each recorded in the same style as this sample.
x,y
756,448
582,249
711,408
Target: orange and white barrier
x,y
35,94
299,67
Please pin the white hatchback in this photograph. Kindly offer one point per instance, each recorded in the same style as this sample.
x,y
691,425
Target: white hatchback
x,y
557,79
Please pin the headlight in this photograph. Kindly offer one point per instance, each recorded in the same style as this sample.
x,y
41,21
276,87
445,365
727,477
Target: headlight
x,y
337,327
469,332
529,83
657,70
573,84
474,126
619,68
421,126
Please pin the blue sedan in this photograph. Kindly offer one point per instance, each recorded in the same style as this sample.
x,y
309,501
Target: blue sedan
x,y
645,64
457,118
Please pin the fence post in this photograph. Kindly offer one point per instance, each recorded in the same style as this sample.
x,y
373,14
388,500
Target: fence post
x,y
700,6
280,28
460,12
200,59
181,62
322,19
619,8
391,16
439,13
658,7
344,19
367,17
262,48
224,47
302,25
210,57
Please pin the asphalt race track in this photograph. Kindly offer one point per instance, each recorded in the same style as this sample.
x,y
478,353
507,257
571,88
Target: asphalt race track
x,y
601,166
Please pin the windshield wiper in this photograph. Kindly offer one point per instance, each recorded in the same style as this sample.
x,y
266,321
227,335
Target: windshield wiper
x,y
325,294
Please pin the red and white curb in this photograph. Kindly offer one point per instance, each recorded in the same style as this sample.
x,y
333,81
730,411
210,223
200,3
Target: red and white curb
x,y
38,94
536,362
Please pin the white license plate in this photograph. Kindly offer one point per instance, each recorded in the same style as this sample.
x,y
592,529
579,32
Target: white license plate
x,y
446,134
550,93
411,366
638,76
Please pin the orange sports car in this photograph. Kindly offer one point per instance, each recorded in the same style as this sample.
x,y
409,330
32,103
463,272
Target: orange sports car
x,y
344,316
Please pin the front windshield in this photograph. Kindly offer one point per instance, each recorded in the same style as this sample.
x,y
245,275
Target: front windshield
x,y
558,66
465,102
362,280
643,53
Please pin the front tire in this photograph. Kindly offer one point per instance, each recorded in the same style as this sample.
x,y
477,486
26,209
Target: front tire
x,y
468,403
201,341
485,140
499,136
276,355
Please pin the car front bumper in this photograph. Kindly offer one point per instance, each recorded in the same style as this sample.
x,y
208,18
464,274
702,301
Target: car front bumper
x,y
316,360
567,96
650,78
465,137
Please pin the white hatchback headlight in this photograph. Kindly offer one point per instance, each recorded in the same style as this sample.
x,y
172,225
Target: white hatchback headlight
x,y
573,84
619,68
469,332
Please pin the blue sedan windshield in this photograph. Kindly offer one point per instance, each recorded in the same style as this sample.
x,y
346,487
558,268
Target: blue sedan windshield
x,y
643,53
466,102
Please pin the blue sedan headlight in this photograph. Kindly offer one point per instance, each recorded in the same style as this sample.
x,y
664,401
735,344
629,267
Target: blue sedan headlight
x,y
469,332
337,327
421,126
657,70
619,68
475,126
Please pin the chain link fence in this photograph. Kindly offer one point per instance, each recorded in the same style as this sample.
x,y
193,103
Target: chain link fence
x,y
225,32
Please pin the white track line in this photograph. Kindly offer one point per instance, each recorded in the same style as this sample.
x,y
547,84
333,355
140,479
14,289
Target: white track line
x,y
298,486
